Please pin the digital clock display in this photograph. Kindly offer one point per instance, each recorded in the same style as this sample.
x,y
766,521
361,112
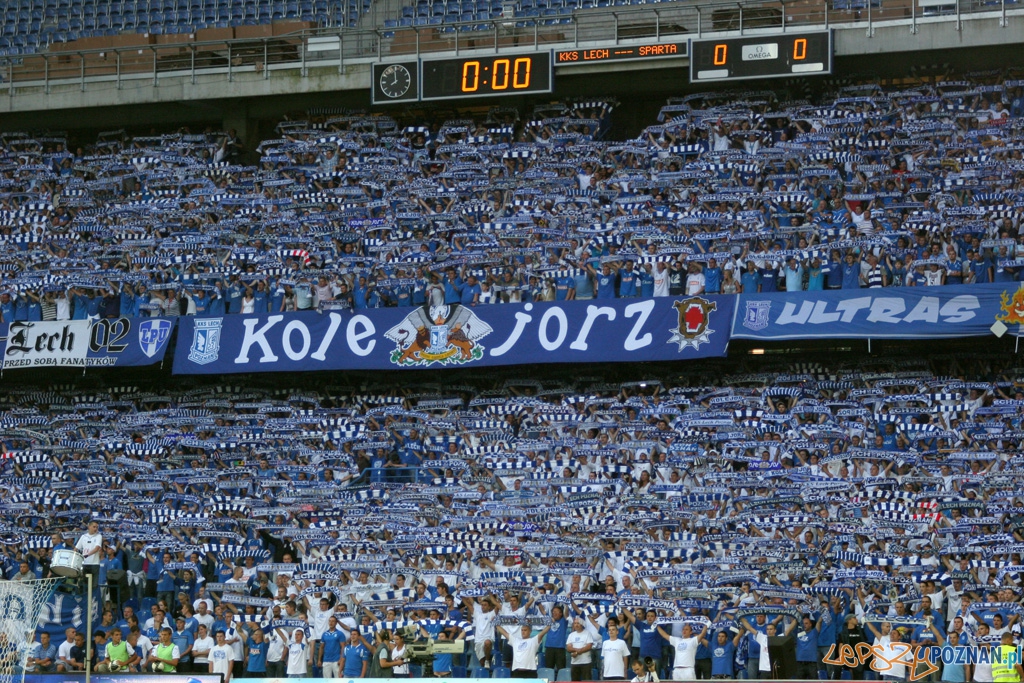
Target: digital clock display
x,y
779,56
493,75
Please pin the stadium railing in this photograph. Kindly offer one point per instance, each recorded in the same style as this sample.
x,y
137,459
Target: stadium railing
x,y
155,58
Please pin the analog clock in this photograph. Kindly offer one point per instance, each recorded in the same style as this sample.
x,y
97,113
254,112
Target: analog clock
x,y
395,81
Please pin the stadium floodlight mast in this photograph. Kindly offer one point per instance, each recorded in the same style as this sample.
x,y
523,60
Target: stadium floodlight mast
x,y
20,605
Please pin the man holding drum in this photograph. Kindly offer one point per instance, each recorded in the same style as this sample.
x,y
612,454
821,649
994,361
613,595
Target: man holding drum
x,y
90,544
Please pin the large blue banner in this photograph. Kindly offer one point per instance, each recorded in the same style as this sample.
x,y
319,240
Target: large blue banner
x,y
887,313
112,342
613,330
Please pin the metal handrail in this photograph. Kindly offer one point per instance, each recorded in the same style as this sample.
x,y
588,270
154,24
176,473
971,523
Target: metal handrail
x,y
656,21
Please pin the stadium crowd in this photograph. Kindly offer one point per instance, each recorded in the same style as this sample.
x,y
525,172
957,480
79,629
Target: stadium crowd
x,y
741,525
718,524
728,192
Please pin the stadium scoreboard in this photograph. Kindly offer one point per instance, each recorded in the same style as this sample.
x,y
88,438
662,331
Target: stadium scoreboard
x,y
528,73
762,56
486,76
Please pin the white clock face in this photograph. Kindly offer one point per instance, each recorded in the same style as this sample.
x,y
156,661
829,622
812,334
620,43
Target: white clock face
x,y
395,81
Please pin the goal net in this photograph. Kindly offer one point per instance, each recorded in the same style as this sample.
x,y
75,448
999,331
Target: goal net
x,y
20,605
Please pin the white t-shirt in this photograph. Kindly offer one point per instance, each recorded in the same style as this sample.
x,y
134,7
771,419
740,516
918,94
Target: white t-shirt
x,y
891,650
612,653
86,544
983,671
203,645
686,651
694,283
221,657
233,633
396,654
297,658
275,647
581,639
524,652
64,651
483,623
660,282
209,608
142,647
318,620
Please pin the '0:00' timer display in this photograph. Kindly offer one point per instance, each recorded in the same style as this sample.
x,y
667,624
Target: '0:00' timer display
x,y
493,75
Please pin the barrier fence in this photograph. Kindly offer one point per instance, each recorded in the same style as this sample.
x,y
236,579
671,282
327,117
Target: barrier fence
x,y
134,58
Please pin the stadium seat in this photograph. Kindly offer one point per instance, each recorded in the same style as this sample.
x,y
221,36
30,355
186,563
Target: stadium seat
x,y
564,675
458,671
502,672
480,672
546,673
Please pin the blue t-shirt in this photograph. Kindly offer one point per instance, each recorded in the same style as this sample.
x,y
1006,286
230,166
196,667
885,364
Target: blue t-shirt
x,y
235,294
562,287
815,279
713,280
807,646
753,647
7,311
651,641
851,275
355,655
833,275
452,291
722,658
468,292
442,664
257,656
980,270
153,570
332,641
646,284
557,635
827,633
953,672
584,286
49,653
217,307
183,640
165,584
750,282
627,283
605,286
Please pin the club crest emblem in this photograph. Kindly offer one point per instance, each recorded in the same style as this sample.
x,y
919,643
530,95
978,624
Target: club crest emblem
x,y
446,335
694,320
755,316
153,334
205,341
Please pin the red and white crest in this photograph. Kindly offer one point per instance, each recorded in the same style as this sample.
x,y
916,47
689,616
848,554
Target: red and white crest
x,y
694,320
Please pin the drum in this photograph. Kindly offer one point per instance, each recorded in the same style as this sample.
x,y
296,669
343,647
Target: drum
x,y
67,563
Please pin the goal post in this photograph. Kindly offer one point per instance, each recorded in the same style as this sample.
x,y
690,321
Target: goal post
x,y
20,605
